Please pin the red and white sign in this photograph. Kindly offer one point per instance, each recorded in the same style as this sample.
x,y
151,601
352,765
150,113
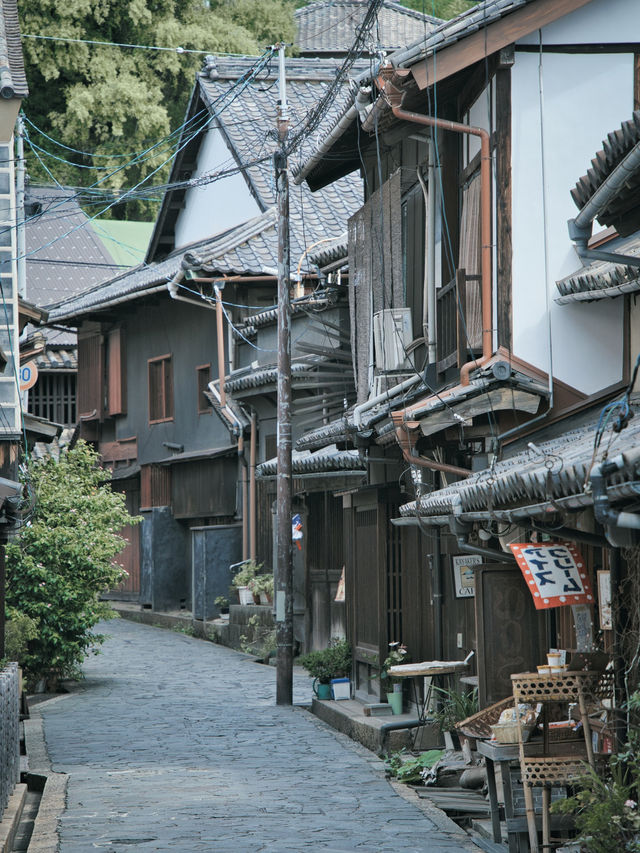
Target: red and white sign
x,y
555,574
28,375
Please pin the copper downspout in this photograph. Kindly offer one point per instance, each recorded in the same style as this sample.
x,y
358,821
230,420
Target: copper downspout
x,y
394,96
245,499
220,342
407,445
252,489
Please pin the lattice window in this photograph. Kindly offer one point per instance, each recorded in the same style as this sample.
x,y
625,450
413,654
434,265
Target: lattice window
x,y
54,397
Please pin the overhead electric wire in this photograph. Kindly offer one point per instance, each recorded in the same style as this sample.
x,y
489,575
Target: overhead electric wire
x,y
178,50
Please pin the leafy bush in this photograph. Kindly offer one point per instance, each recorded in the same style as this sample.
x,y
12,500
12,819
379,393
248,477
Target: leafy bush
x,y
454,707
19,630
332,662
63,558
408,768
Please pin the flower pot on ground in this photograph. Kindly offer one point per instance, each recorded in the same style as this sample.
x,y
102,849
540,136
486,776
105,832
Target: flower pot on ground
x,y
398,654
325,664
395,700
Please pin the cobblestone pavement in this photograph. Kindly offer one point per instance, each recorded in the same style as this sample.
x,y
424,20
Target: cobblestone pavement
x,y
176,744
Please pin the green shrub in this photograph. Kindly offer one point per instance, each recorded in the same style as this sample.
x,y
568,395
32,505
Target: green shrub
x,y
19,630
454,707
63,559
409,768
332,662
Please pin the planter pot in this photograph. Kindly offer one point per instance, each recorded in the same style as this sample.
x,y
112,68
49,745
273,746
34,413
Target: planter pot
x,y
341,688
395,700
451,740
321,691
264,598
245,595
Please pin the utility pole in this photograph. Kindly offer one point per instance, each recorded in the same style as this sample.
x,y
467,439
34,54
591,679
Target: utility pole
x,y
284,564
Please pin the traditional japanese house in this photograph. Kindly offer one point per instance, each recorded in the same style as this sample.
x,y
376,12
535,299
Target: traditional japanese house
x,y
468,141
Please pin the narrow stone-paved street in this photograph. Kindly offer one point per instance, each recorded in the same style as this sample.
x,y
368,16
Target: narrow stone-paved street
x,y
176,744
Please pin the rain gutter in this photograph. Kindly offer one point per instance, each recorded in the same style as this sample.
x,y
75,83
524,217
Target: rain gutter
x,y
580,228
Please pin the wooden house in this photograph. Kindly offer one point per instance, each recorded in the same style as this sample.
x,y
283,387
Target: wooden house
x,y
469,141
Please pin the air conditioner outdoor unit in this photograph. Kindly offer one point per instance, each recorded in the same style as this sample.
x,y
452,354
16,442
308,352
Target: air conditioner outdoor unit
x,y
392,335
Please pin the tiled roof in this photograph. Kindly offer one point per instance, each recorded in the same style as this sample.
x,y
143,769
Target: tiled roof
x,y
327,459
249,122
64,254
13,81
58,359
621,211
602,279
329,26
449,32
242,250
546,476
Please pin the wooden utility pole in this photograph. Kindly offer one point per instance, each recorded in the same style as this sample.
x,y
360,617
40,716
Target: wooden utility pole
x,y
284,566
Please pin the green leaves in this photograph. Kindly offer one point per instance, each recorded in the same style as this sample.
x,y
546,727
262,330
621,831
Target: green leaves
x,y
64,558
110,100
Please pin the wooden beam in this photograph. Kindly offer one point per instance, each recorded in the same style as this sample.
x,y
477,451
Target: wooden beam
x,y
503,206
490,39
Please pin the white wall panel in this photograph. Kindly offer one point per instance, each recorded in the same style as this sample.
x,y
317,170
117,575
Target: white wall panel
x,y
218,206
584,98
603,21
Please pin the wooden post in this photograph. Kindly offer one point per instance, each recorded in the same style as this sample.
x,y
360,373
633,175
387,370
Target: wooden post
x,y
284,567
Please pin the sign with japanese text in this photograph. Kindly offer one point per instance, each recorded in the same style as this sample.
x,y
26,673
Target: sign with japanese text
x,y
555,574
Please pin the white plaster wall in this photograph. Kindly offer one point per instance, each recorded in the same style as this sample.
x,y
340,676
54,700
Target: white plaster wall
x,y
218,206
606,21
584,98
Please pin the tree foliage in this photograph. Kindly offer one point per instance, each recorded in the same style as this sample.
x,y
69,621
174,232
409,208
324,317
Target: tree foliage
x,y
64,558
109,101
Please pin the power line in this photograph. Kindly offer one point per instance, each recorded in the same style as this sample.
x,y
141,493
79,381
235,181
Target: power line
x,y
179,50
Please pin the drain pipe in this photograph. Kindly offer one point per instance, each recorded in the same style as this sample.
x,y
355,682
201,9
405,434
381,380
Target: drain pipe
x,y
381,398
429,284
580,228
245,497
252,488
460,530
407,446
602,510
220,342
394,97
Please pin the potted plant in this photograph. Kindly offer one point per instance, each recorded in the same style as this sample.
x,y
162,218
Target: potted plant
x,y
222,603
455,706
243,579
262,587
325,664
398,654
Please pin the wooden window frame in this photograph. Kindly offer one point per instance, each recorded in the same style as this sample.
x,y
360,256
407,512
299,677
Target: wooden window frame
x,y
161,359
202,403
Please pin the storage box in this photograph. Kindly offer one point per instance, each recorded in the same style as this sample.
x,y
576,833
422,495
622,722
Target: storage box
x,y
341,688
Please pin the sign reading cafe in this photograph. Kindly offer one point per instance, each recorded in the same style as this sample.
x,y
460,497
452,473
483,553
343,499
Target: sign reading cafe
x,y
555,574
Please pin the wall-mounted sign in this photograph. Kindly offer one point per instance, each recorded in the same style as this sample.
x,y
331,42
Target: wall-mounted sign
x,y
28,375
555,574
463,577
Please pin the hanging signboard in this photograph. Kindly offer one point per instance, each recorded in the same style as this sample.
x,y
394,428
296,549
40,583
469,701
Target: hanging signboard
x,y
463,577
555,574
